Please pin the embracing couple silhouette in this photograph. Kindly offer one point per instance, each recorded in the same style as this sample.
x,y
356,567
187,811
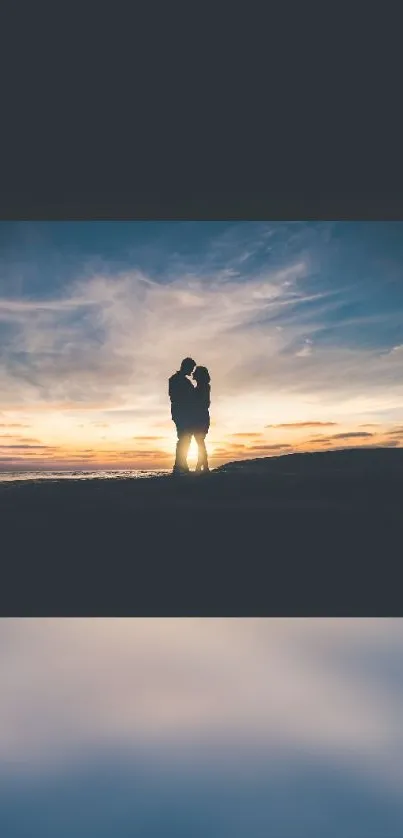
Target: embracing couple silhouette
x,y
189,391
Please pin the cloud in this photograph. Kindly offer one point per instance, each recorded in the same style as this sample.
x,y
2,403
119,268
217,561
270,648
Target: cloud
x,y
245,434
329,440
228,450
282,446
10,307
28,445
14,425
352,435
303,425
63,354
135,458
395,432
147,438
249,450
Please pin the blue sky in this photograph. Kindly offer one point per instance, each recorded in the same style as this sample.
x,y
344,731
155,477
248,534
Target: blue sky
x,y
297,321
223,727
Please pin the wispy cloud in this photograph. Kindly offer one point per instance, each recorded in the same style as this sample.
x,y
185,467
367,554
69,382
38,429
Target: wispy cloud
x,y
247,434
27,445
293,425
134,332
14,425
9,307
147,438
395,432
351,435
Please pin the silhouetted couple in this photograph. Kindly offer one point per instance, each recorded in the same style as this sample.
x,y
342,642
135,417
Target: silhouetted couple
x,y
189,391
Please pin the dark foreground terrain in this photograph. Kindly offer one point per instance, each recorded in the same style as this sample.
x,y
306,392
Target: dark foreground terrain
x,y
299,534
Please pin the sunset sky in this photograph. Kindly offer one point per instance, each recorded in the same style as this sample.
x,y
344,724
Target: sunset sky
x,y
299,323
231,728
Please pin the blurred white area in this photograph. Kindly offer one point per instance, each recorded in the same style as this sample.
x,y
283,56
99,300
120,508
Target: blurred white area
x,y
327,686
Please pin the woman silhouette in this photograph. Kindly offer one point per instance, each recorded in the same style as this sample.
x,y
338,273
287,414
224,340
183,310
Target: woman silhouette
x,y
201,415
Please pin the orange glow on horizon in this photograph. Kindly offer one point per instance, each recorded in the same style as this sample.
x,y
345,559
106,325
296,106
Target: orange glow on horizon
x,y
27,447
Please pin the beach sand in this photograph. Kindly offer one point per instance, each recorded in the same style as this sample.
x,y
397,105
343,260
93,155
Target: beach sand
x,y
317,534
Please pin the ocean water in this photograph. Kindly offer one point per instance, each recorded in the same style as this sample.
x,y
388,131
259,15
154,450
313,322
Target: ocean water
x,y
13,476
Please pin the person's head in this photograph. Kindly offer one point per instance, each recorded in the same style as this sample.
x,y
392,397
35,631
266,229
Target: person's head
x,y
201,376
187,366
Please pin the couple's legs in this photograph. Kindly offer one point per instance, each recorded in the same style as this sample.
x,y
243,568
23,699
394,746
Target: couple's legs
x,y
202,460
182,448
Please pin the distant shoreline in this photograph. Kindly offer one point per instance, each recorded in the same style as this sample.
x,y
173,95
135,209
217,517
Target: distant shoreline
x,y
317,473
242,465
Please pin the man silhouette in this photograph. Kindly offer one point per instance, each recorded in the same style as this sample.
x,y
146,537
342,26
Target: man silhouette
x,y
181,395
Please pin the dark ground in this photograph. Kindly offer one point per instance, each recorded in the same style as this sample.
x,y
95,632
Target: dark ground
x,y
304,534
